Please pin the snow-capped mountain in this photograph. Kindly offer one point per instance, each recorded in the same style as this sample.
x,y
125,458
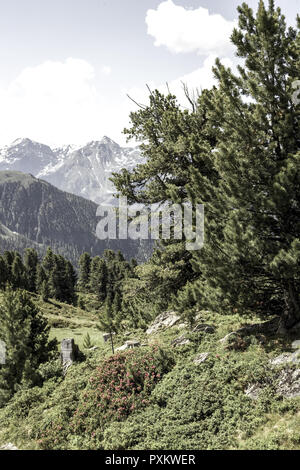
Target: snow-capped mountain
x,y
27,156
83,171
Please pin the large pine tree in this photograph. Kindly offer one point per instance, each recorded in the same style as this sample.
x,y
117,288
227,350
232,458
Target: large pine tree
x,y
252,248
238,153
26,336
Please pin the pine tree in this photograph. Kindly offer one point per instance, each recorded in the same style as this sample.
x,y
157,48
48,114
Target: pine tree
x,y
41,278
87,343
108,322
237,152
98,278
48,261
3,273
251,255
26,336
45,291
84,271
68,281
18,273
30,263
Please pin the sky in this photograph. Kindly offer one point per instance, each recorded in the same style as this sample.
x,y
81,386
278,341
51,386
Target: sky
x,y
67,66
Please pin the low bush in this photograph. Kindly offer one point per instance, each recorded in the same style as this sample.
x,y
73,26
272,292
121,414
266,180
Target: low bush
x,y
119,387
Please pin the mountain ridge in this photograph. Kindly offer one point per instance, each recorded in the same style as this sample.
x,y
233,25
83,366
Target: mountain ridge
x,y
81,170
34,213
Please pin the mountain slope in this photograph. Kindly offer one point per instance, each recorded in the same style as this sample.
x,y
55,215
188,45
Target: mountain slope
x,y
37,214
83,171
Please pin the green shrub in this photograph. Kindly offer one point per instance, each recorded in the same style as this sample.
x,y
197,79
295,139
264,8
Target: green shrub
x,y
119,387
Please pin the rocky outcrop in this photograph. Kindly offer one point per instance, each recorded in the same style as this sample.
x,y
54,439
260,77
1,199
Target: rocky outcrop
x,y
129,345
286,358
288,379
204,327
201,358
162,321
8,446
180,341
268,327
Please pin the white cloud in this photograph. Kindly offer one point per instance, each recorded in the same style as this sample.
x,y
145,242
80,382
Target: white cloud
x,y
56,103
189,30
106,69
199,79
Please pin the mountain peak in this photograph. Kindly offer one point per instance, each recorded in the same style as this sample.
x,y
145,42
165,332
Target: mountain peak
x,y
107,140
22,141
82,170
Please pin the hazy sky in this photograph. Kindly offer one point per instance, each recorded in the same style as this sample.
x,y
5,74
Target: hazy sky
x,y
66,66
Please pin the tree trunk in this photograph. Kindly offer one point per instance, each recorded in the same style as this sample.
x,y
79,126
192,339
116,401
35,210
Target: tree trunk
x,y
112,343
291,314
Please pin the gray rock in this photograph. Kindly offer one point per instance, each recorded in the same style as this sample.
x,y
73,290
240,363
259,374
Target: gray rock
x,y
253,391
67,350
106,336
180,326
8,446
204,327
201,358
296,344
129,345
267,327
288,380
162,321
180,341
69,353
286,358
230,336
289,383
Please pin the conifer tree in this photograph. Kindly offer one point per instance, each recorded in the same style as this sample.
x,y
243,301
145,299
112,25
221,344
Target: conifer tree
x,y
98,278
3,273
18,273
49,260
30,263
45,293
84,271
87,343
251,256
41,278
237,152
26,336
109,322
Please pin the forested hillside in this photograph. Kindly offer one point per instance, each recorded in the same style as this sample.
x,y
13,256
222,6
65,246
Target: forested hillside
x,y
40,215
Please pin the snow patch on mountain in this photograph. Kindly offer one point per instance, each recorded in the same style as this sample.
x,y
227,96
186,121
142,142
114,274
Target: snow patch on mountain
x,y
83,170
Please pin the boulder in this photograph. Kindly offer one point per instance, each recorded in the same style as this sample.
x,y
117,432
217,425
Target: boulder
x,y
180,341
8,446
162,321
286,358
106,336
296,344
288,379
201,358
253,391
289,383
67,350
204,327
267,327
129,345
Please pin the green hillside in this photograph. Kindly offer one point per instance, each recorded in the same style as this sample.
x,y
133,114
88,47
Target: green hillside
x,y
191,406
